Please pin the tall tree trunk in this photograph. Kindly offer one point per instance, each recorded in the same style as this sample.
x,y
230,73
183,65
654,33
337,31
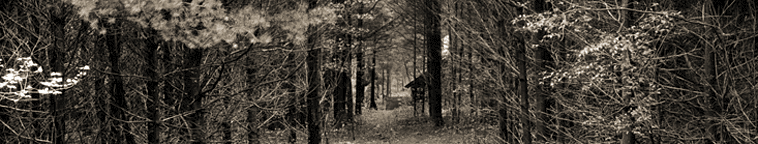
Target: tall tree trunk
x,y
455,43
193,98
291,118
372,103
626,20
359,86
389,82
434,46
119,131
171,93
153,136
313,121
348,61
471,84
226,125
415,57
340,81
253,112
57,56
454,65
340,96
347,80
543,60
526,136
506,115
348,84
314,135
349,97
521,60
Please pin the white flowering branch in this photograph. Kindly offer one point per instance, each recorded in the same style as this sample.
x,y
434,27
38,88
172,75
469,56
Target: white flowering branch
x,y
15,84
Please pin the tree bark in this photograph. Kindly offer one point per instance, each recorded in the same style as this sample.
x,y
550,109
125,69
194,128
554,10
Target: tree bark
x,y
626,18
119,130
340,81
313,121
507,127
526,136
372,104
389,82
348,84
359,86
253,112
454,67
57,56
541,92
434,46
193,98
153,136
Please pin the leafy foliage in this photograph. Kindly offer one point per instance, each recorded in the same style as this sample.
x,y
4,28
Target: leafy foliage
x,y
609,82
202,23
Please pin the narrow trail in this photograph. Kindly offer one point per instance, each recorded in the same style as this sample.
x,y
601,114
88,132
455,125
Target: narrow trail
x,y
399,126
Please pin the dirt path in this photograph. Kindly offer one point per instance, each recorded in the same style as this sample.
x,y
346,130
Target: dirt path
x,y
399,126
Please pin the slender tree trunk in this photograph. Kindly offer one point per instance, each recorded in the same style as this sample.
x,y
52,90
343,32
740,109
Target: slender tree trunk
x,y
506,114
340,82
153,136
349,97
340,96
193,98
454,65
348,92
372,104
57,56
471,84
541,92
626,20
454,41
434,46
226,126
252,113
314,135
292,118
171,94
359,86
119,130
313,121
389,82
526,134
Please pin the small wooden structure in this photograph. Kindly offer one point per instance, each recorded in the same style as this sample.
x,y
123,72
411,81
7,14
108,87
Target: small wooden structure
x,y
418,91
391,103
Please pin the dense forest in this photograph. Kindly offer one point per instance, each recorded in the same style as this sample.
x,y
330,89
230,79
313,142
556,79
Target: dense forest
x,y
379,71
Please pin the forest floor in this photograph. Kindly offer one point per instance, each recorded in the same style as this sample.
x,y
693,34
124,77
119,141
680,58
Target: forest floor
x,y
399,126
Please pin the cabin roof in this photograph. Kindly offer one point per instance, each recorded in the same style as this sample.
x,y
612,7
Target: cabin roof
x,y
419,81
